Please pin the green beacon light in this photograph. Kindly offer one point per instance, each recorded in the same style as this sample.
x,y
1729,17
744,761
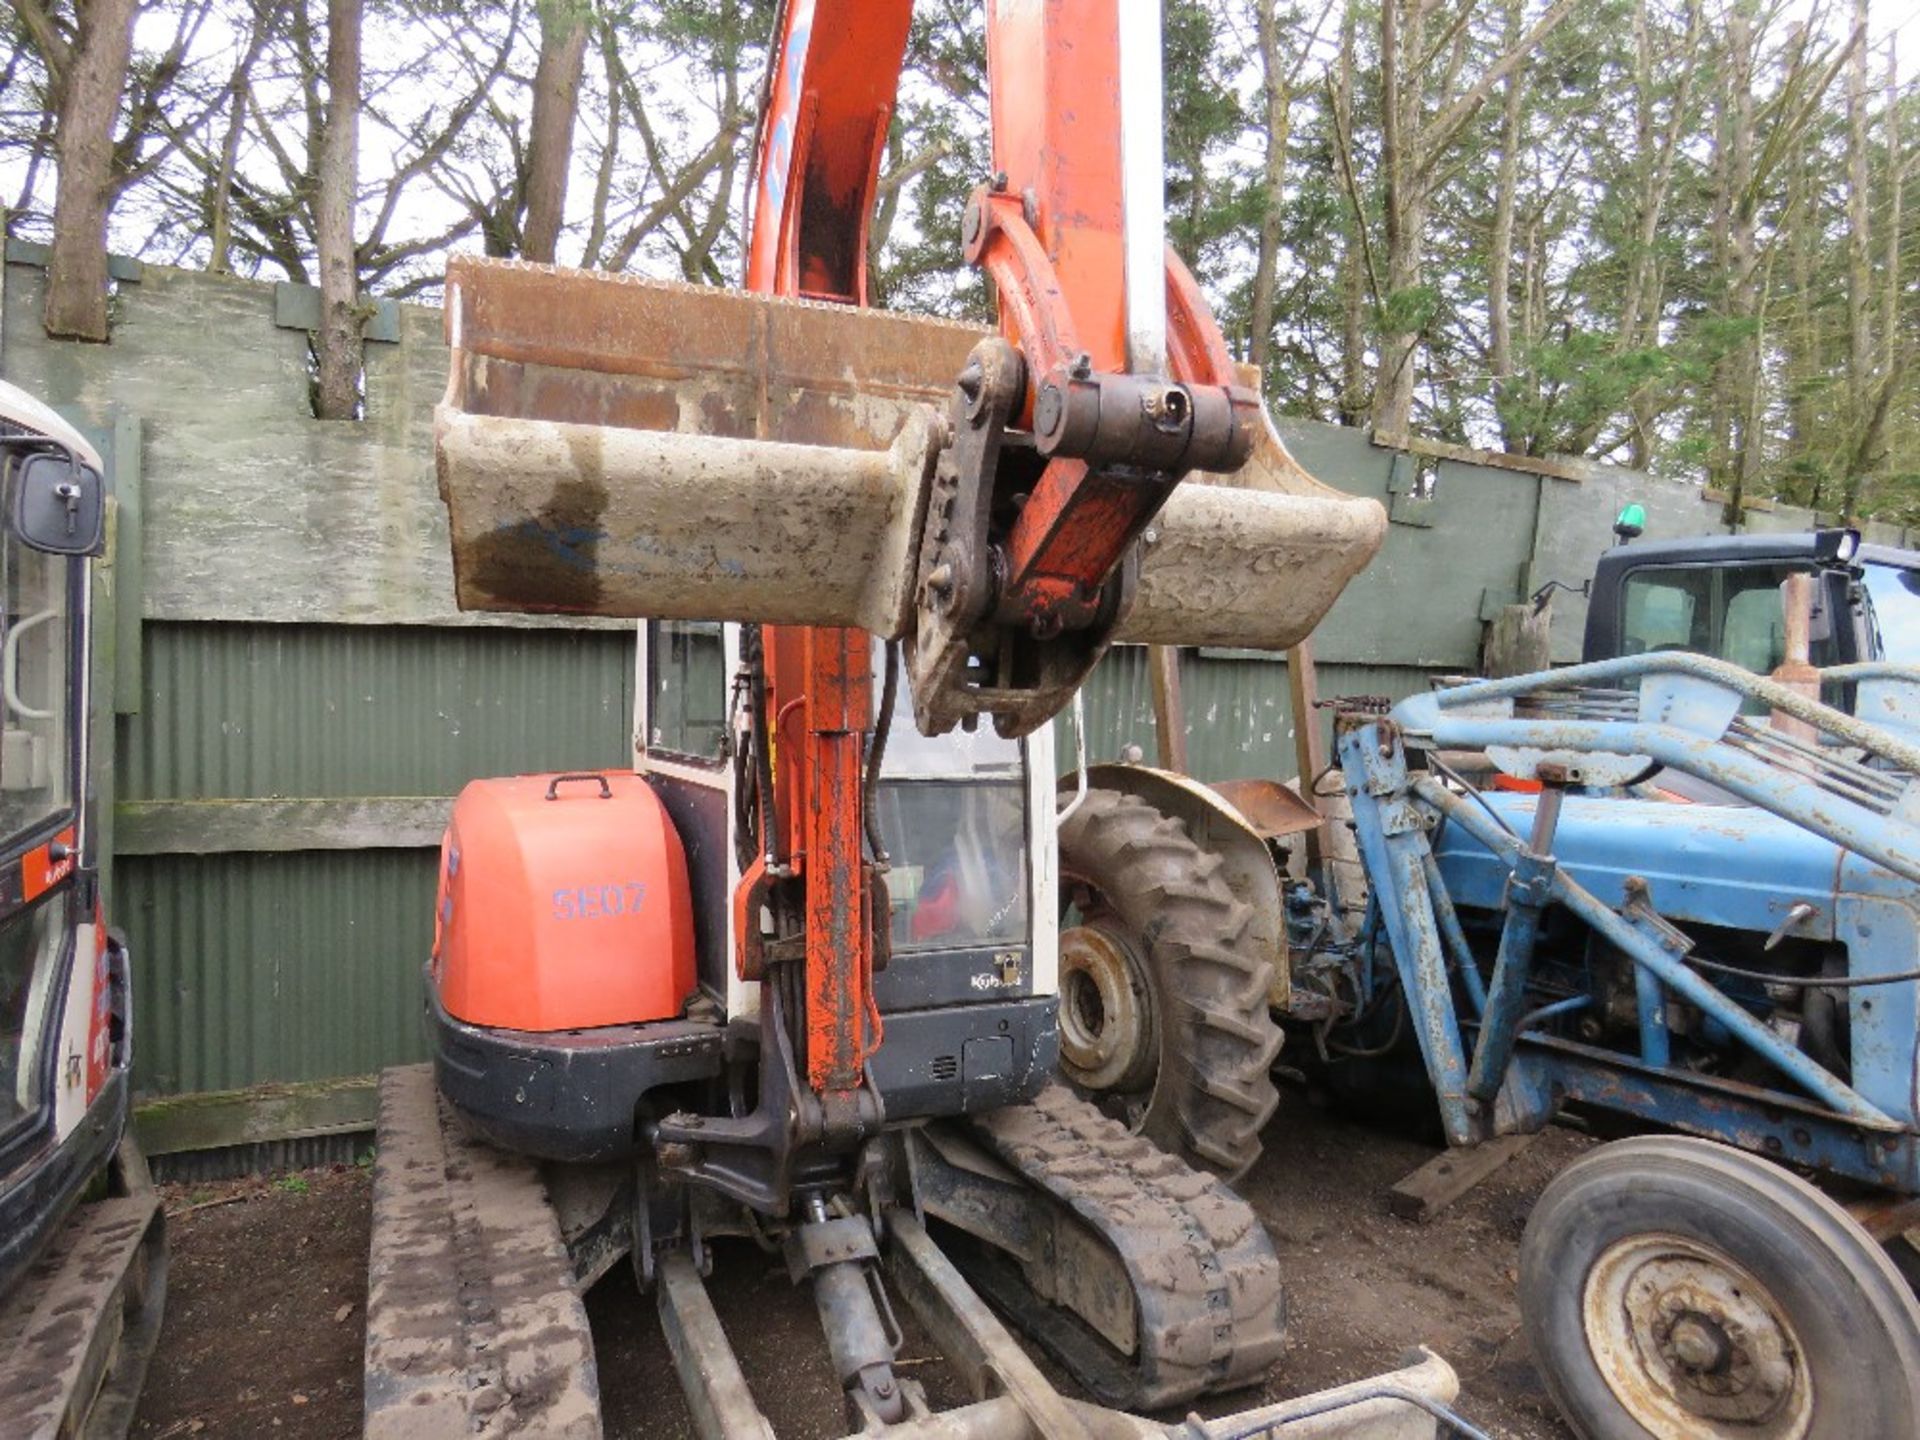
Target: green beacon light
x,y
1632,521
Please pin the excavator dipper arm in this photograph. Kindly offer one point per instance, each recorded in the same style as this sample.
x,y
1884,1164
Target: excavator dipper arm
x,y
1022,565
1027,554
1027,558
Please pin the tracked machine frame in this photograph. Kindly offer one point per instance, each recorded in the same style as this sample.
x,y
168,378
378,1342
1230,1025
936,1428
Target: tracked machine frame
x,y
793,980
83,1259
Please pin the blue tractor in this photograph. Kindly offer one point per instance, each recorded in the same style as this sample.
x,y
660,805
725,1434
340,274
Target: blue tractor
x,y
1662,893
1685,898
1659,894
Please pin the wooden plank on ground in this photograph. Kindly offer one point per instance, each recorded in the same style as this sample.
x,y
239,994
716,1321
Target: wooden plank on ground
x,y
1451,1174
263,1114
1886,1217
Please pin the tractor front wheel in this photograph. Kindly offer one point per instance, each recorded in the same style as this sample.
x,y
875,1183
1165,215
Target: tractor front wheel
x,y
1673,1287
1163,990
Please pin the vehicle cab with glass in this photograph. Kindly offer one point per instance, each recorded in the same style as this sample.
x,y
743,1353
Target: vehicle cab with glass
x,y
960,826
1721,595
64,1043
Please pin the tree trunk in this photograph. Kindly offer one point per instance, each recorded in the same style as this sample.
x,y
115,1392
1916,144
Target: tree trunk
x,y
1354,405
1500,249
556,102
1731,152
94,75
1860,357
1803,359
1277,92
220,201
1890,280
609,148
339,339
1741,368
1393,375
1655,149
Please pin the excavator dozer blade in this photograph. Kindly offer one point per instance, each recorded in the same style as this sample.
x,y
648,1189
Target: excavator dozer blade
x,y
626,447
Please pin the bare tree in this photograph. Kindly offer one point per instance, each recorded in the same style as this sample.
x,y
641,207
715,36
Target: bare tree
x,y
1656,150
1757,134
556,103
1425,104
1279,83
87,64
220,196
1500,242
1860,356
337,345
1358,278
686,198
1872,383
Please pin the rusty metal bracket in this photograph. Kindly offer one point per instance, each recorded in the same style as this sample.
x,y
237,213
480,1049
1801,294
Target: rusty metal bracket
x,y
970,653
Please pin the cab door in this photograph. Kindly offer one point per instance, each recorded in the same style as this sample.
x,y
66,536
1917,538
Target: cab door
x,y
64,1045
683,744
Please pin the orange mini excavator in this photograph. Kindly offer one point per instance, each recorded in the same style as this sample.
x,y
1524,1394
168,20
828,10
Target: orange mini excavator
x,y
794,979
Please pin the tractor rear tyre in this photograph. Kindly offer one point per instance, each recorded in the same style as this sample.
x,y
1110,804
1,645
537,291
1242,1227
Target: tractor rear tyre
x,y
1163,991
1673,1287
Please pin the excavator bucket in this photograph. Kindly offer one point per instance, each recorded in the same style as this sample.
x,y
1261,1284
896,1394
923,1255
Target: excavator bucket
x,y
626,447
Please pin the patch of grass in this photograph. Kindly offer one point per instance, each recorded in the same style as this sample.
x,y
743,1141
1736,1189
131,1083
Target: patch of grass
x,y
292,1184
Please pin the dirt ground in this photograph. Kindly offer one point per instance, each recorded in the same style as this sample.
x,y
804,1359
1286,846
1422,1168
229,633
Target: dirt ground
x,y
268,1288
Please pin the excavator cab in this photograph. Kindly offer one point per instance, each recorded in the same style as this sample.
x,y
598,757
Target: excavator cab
x,y
62,986
961,827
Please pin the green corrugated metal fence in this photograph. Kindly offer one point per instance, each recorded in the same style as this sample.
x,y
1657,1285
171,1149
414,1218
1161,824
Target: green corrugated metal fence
x,y
303,964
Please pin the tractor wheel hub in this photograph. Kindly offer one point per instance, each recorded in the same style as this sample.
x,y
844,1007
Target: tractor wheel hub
x,y
1691,1343
1106,1012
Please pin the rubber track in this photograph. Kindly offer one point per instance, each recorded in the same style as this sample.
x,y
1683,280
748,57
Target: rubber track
x,y
474,1326
62,1332
1205,1277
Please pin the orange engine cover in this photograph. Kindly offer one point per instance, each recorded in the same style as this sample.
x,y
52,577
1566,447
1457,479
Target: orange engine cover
x,y
563,905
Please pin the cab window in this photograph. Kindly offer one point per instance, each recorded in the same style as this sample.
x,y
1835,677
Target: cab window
x,y
29,957
1734,613
1894,592
952,812
686,689
37,674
